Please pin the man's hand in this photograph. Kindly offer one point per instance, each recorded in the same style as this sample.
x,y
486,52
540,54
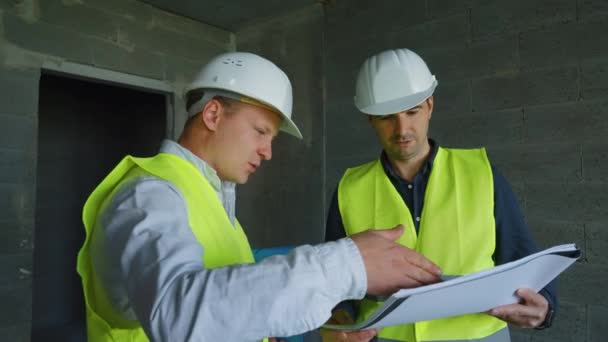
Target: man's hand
x,y
391,266
529,313
342,317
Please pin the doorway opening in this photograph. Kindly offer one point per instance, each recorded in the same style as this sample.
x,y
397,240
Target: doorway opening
x,y
84,130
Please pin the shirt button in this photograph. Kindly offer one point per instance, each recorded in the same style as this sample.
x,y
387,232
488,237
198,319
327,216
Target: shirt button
x,y
409,186
418,219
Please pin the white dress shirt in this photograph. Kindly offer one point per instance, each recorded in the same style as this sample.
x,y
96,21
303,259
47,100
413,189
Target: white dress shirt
x,y
151,266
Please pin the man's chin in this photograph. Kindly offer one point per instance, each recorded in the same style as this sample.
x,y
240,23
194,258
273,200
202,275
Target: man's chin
x,y
237,179
242,179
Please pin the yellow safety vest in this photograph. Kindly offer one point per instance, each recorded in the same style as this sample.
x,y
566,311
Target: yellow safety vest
x,y
457,230
224,243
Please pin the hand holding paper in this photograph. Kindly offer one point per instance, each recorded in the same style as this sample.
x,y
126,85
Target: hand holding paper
x,y
476,292
530,312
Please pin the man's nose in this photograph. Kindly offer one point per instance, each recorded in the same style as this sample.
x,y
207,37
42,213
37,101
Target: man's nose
x,y
265,150
402,123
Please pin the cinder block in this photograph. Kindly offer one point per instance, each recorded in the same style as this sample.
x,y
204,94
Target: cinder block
x,y
510,160
559,122
19,300
179,69
493,19
345,22
519,189
6,5
136,61
16,333
349,134
340,94
502,127
448,64
15,272
596,234
548,232
590,277
156,39
16,166
16,237
451,31
597,323
131,10
446,8
540,162
595,162
196,30
499,92
452,98
594,80
16,201
569,325
555,46
570,202
19,91
550,86
553,162
498,56
477,129
78,17
48,39
589,47
594,114
18,132
519,335
265,220
592,9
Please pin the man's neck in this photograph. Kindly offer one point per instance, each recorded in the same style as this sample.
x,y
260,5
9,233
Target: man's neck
x,y
407,169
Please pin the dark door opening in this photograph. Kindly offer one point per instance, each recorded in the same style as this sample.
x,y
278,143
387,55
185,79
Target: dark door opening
x,y
84,129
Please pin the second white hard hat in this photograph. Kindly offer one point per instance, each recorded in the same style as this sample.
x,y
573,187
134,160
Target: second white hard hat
x,y
393,81
254,78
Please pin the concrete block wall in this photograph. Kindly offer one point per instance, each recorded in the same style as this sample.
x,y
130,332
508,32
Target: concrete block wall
x,y
527,79
283,204
122,35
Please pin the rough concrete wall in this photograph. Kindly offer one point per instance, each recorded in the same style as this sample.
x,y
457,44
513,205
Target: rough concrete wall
x,y
121,35
527,79
282,204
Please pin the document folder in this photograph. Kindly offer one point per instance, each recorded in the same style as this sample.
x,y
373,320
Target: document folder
x,y
471,293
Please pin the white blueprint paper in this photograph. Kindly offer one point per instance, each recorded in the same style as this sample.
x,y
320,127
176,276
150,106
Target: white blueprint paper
x,y
472,293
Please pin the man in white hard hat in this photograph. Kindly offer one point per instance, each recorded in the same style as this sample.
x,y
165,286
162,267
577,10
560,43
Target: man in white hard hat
x,y
165,258
456,208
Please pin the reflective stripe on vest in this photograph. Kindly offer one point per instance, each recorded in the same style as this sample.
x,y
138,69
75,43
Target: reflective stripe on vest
x,y
224,243
457,230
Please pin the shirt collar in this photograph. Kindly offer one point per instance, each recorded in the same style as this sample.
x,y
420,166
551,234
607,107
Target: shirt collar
x,y
426,167
169,146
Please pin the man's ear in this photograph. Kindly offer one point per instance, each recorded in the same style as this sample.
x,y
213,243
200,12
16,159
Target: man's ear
x,y
210,114
431,102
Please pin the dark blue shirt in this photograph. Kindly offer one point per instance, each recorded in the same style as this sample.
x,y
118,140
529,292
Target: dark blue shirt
x,y
513,239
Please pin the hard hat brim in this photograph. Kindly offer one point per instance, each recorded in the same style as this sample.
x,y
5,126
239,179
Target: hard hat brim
x,y
398,105
290,127
287,125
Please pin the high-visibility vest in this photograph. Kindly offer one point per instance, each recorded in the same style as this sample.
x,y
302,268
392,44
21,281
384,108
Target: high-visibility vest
x,y
457,232
224,243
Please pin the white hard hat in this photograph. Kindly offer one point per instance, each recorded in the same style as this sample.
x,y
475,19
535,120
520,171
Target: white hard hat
x,y
258,80
393,81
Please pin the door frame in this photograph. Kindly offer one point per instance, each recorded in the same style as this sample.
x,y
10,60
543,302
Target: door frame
x,y
101,75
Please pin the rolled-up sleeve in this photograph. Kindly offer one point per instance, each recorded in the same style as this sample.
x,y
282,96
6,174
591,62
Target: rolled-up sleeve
x,y
152,268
